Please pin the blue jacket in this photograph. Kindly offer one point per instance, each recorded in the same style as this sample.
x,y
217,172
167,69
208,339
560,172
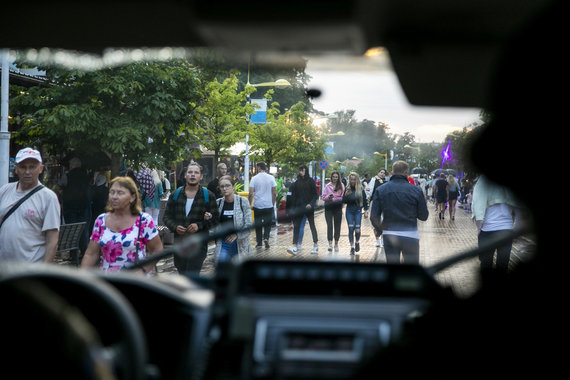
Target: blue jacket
x,y
397,205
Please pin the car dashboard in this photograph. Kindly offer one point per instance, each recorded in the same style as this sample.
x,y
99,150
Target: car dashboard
x,y
321,320
256,320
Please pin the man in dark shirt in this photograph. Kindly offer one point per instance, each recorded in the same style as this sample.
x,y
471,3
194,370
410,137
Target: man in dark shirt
x,y
75,209
301,201
213,186
396,207
186,213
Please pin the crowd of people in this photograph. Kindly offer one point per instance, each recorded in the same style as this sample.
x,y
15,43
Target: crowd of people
x,y
126,211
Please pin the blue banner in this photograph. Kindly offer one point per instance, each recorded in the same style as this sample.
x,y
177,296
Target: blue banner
x,y
260,115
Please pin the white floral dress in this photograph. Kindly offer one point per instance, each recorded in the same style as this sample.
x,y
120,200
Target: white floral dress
x,y
118,248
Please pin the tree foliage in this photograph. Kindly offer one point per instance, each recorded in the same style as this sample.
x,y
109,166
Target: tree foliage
x,y
141,111
288,139
361,138
222,115
161,112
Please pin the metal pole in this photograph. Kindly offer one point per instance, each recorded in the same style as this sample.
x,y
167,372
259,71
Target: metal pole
x,y
4,134
322,182
246,165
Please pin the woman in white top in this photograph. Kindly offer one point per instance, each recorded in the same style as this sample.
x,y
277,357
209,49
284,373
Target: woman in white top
x,y
496,213
233,209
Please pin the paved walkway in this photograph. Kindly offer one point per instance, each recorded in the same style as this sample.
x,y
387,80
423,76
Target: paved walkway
x,y
439,239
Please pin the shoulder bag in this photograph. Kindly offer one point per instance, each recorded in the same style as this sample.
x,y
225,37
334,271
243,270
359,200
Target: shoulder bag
x,y
11,211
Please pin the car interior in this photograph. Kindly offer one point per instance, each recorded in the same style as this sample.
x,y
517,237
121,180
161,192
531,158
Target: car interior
x,y
282,319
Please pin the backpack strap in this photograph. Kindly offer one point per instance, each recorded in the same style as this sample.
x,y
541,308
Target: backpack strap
x,y
204,191
177,193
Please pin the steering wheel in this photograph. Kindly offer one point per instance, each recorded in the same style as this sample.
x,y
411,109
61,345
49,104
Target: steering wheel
x,y
69,324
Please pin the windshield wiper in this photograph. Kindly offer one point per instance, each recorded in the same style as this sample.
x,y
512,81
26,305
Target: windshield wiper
x,y
192,244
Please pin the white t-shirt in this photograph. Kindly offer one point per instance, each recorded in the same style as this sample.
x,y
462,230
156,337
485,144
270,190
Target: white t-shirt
x,y
262,183
22,236
500,217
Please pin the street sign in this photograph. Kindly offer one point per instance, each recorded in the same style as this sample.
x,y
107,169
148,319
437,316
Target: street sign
x,y
260,115
323,164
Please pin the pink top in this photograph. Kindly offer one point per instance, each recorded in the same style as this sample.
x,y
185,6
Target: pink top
x,y
337,195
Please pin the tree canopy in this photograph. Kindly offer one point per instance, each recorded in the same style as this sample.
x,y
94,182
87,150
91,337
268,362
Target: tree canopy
x,y
142,111
162,112
222,115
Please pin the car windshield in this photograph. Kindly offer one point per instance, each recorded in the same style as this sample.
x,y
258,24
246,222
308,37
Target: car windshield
x,y
285,129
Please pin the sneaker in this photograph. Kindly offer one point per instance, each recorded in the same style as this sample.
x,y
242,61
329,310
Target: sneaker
x,y
330,247
315,249
357,246
266,243
352,250
336,249
292,250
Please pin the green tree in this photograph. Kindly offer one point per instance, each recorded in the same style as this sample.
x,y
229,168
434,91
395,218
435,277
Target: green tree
x,y
429,156
270,141
344,122
460,148
288,138
306,142
293,72
141,112
222,115
361,138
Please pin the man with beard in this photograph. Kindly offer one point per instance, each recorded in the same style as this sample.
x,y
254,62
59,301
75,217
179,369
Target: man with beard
x,y
191,209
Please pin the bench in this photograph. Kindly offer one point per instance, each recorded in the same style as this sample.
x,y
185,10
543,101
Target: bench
x,y
69,237
165,234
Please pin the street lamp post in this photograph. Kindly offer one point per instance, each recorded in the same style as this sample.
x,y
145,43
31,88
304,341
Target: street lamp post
x,y
331,144
385,155
279,83
417,148
4,133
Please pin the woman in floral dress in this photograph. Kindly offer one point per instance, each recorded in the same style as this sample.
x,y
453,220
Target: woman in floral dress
x,y
123,235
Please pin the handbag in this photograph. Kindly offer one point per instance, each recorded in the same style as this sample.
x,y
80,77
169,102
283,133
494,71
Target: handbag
x,y
138,246
138,239
11,211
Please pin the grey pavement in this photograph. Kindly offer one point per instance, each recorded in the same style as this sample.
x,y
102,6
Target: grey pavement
x,y
439,239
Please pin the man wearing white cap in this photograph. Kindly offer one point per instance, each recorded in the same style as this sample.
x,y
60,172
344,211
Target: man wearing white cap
x,y
30,231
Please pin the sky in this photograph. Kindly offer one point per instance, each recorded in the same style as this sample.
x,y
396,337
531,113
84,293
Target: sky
x,y
373,91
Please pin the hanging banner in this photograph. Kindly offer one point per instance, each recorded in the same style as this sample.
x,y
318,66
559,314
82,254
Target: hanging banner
x,y
260,115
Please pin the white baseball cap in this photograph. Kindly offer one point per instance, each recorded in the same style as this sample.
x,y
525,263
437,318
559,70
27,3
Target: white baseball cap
x,y
26,153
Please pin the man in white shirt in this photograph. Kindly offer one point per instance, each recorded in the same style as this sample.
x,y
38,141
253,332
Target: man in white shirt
x,y
31,232
262,198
